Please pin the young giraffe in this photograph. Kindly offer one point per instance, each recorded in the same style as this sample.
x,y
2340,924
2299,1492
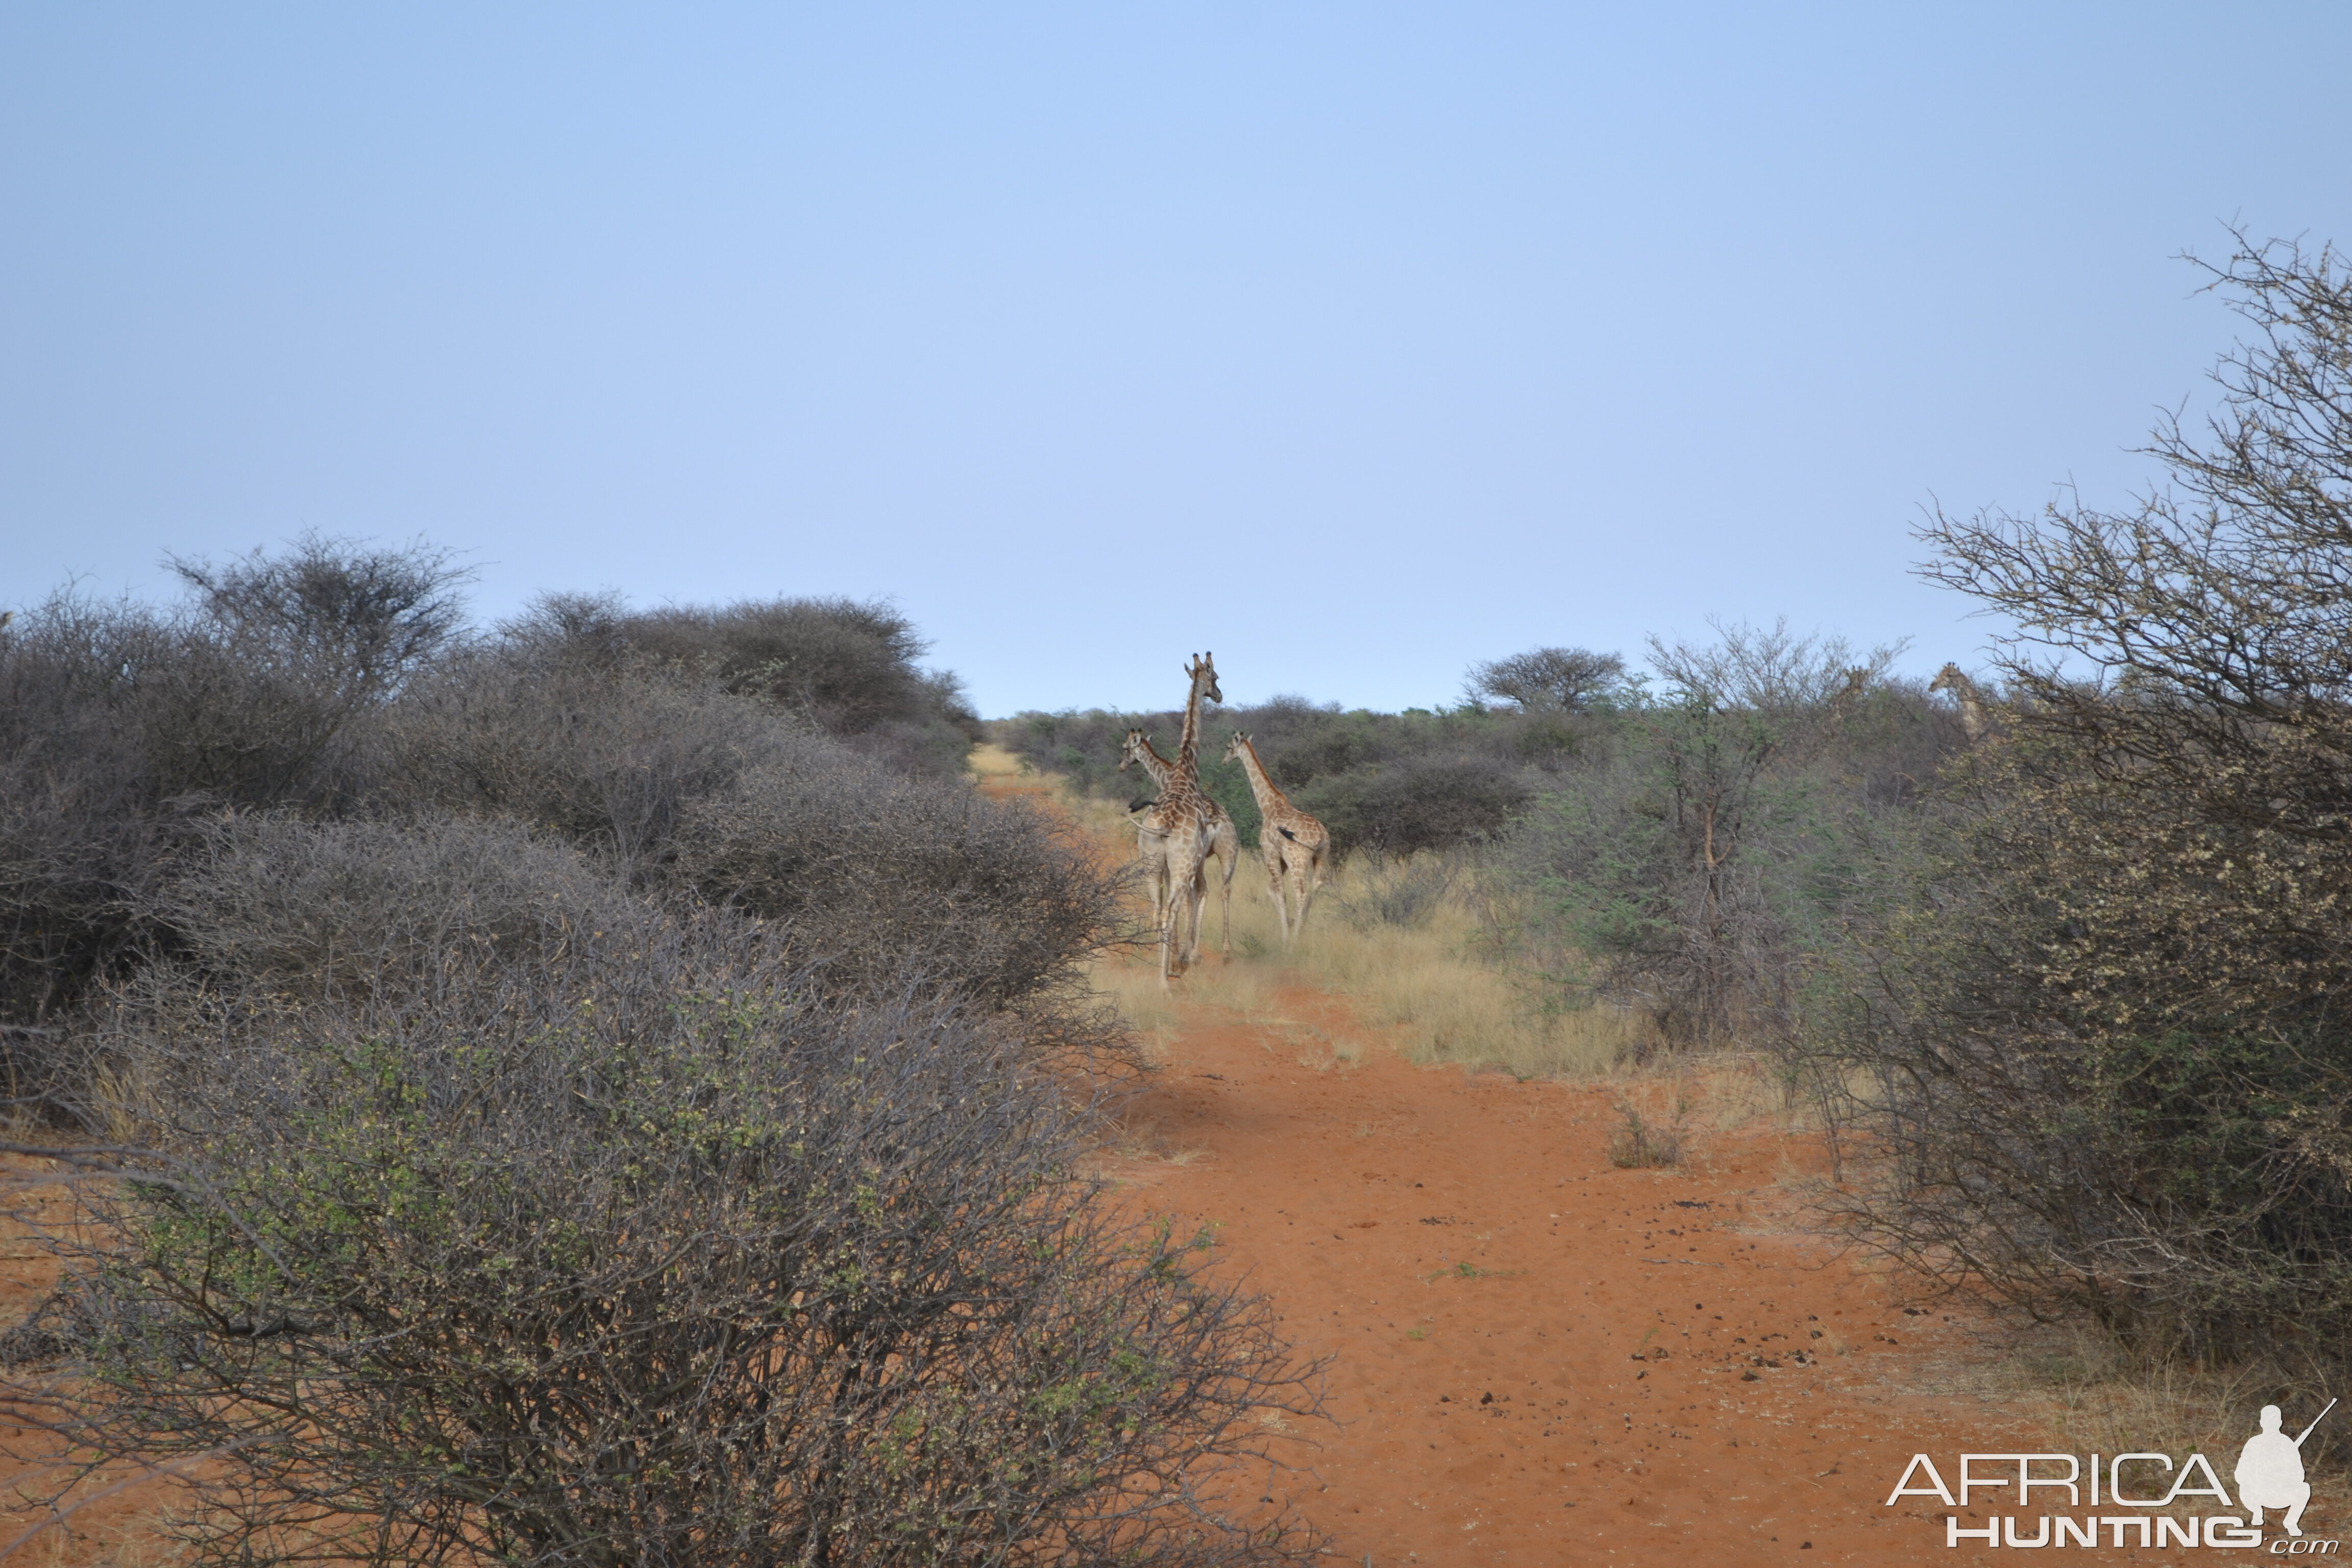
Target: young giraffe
x,y
1173,836
1976,717
1225,840
1293,843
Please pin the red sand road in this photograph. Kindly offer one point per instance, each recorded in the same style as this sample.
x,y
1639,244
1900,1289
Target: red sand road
x,y
1616,1317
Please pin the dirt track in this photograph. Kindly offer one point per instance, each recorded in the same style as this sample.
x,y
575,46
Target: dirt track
x,y
1537,1357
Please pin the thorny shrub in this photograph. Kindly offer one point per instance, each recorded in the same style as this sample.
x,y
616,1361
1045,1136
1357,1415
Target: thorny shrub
x,y
332,682
2100,1038
847,667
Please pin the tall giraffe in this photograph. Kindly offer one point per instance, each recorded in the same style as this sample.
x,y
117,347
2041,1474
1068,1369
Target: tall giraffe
x,y
1173,836
1224,838
1294,844
1976,714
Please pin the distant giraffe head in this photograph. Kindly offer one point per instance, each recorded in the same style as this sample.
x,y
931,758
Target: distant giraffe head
x,y
1137,752
1202,672
1976,719
1857,680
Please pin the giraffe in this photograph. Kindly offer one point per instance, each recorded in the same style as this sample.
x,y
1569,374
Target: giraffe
x,y
1976,715
1225,840
1173,836
1293,843
1857,680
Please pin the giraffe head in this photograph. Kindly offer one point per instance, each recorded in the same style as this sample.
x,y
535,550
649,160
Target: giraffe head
x,y
1950,678
1234,747
1204,673
1131,753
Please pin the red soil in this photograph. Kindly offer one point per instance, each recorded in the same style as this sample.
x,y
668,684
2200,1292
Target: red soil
x,y
105,1522
1535,1419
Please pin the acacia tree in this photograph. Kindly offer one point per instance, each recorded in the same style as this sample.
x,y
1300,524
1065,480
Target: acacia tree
x,y
279,656
1562,679
1668,861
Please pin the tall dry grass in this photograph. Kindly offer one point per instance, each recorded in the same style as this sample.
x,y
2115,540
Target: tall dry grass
x,y
2098,1396
1409,940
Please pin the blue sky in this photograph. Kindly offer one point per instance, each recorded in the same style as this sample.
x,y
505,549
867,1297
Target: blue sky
x,y
1354,342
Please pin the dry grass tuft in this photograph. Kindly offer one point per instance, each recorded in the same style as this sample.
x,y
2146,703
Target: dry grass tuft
x,y
995,765
2109,1401
1649,1143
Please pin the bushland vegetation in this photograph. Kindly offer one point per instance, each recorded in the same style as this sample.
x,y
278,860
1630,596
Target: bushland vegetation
x,y
585,1091
1392,783
1698,863
1679,845
847,666
2095,1036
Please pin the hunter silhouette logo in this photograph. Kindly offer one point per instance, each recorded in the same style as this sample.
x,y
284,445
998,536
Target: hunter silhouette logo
x,y
2270,1471
2269,1476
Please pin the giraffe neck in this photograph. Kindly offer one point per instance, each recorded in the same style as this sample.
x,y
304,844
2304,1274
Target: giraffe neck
x,y
1975,723
1188,763
1975,717
1181,797
1268,797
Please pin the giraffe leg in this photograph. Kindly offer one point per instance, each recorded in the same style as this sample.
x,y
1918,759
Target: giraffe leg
x,y
1163,904
1187,889
1310,871
1197,899
1200,904
1229,856
1221,844
1274,891
1147,855
1152,850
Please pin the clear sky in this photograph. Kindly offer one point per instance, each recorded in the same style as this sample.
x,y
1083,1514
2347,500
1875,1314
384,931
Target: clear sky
x,y
1352,342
